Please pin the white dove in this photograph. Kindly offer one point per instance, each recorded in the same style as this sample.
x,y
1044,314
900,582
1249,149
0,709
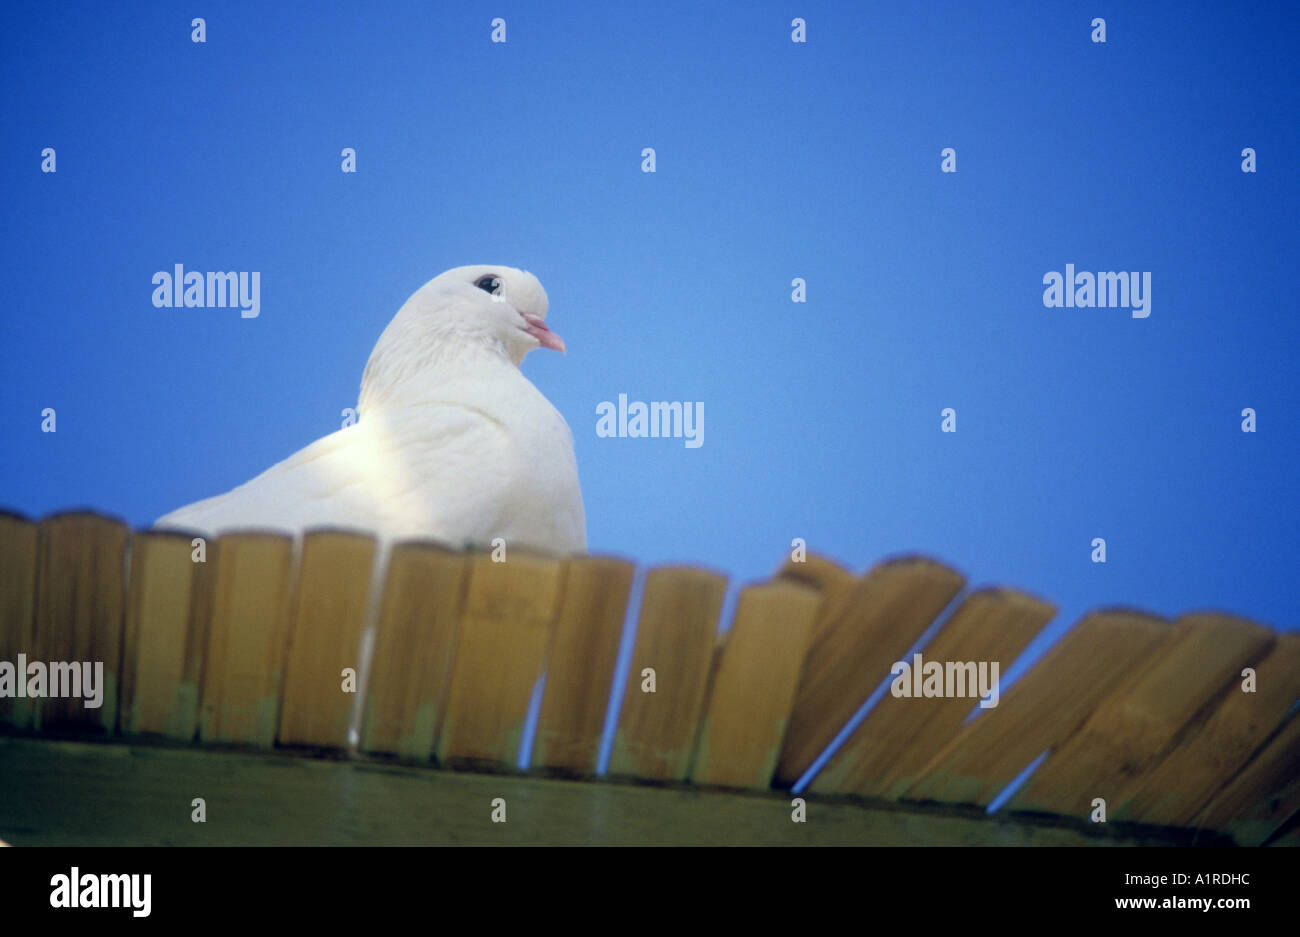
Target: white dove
x,y
451,443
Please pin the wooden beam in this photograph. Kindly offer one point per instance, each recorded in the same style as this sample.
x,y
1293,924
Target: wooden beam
x,y
1043,708
156,698
753,690
679,617
73,793
1264,795
1138,723
80,611
887,753
861,632
415,646
329,615
247,638
1212,751
581,665
507,628
17,606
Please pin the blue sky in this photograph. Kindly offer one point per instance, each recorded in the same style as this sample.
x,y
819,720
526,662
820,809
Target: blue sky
x,y
775,160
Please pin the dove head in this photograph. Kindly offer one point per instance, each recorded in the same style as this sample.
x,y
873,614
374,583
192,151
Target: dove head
x,y
458,317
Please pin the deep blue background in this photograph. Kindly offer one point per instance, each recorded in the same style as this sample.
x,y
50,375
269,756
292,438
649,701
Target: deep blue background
x,y
775,160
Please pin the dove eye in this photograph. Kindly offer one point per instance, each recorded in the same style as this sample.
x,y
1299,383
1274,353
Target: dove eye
x,y
489,284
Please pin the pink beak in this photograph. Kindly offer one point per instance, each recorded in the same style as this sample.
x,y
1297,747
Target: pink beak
x,y
538,330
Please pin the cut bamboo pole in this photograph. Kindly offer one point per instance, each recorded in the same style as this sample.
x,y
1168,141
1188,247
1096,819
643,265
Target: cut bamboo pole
x,y
248,633
17,608
1043,708
749,704
669,673
198,638
582,661
155,696
507,628
888,751
1206,758
833,581
1138,722
415,644
1263,795
323,666
856,640
80,610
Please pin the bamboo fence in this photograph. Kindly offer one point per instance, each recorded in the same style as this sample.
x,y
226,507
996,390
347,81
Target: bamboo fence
x,y
249,650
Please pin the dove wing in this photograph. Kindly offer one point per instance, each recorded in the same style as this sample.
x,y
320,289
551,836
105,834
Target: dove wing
x,y
432,472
